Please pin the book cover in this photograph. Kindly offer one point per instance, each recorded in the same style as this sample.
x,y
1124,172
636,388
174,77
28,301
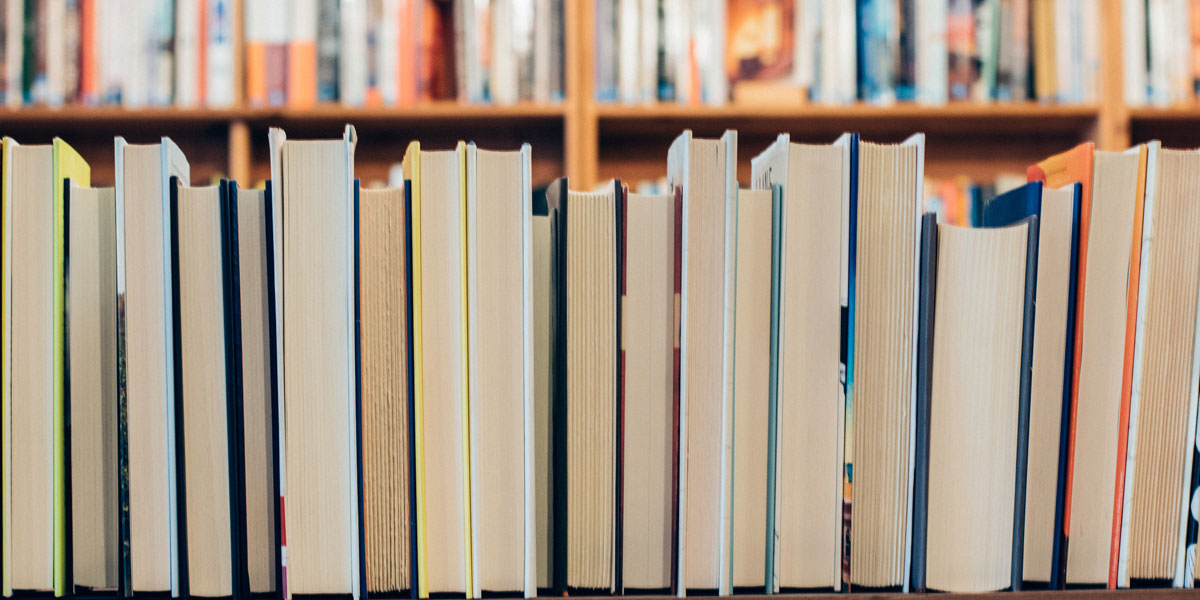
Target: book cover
x,y
878,45
926,307
849,144
1134,314
1073,166
772,559
6,150
759,42
69,165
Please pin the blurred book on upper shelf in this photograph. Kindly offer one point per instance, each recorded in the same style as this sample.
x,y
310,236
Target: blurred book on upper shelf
x,y
839,52
294,52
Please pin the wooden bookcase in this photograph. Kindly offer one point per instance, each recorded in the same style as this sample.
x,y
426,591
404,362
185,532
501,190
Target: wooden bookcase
x,y
592,141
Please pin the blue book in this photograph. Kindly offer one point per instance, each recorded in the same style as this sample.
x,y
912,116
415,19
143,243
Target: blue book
x,y
1058,211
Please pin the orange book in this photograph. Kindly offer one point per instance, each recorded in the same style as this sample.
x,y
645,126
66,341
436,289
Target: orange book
x,y
256,72
1074,165
1131,311
202,52
406,75
89,86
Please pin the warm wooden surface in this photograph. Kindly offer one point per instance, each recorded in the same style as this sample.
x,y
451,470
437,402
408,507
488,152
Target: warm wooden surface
x,y
1091,594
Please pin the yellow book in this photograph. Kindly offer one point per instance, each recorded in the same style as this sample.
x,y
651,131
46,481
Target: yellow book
x,y
68,165
440,367
6,146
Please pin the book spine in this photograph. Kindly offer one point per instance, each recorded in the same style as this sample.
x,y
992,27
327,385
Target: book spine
x,y
218,89
926,311
328,32
1022,470
677,585
847,350
621,207
301,61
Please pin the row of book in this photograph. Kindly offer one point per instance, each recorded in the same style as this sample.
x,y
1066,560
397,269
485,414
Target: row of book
x,y
1161,41
456,386
837,51
296,53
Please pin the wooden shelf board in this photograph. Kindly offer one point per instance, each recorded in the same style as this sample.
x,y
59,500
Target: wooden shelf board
x,y
1178,112
903,110
1088,594
157,116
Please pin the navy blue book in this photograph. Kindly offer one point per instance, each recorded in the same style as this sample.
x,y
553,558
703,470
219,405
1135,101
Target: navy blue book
x,y
1053,354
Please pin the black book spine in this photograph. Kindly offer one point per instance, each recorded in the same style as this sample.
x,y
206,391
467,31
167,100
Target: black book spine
x,y
1018,543
69,541
621,208
925,320
272,367
358,449
556,200
177,368
412,392
235,401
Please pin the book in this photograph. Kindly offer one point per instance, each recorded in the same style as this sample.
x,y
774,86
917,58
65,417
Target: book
x,y
1074,166
649,430
752,395
879,377
585,376
979,376
704,171
384,290
878,44
35,439
258,324
208,393
500,339
1162,422
759,50
91,398
318,393
441,369
540,234
1053,352
807,550
143,173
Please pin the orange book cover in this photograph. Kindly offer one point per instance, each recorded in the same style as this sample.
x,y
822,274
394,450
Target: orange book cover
x,y
1131,311
1074,165
406,77
89,88
256,72
302,73
202,53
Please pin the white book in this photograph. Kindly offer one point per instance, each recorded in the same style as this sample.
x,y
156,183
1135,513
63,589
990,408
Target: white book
x,y
705,170
387,51
14,20
629,49
500,338
187,52
143,176
352,68
219,78
931,64
313,185
1133,50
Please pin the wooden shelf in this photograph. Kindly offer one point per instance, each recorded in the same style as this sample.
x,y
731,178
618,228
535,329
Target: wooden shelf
x,y
1089,594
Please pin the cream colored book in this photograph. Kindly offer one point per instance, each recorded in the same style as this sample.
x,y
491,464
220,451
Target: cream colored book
x,y
500,381
313,201
92,365
810,419
705,171
143,174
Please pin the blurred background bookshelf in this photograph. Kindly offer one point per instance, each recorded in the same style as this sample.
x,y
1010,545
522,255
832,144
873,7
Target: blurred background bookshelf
x,y
544,70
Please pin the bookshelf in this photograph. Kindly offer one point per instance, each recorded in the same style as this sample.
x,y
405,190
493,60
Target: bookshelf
x,y
592,141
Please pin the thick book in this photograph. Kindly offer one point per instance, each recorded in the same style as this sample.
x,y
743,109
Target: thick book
x,y
500,345
752,395
386,422
257,321
810,428
34,439
705,172
979,302
1161,435
585,229
649,433
318,393
440,370
91,390
208,393
1053,351
146,339
880,291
